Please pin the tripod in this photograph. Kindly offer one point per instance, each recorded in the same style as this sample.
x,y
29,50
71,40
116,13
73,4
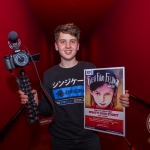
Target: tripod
x,y
25,86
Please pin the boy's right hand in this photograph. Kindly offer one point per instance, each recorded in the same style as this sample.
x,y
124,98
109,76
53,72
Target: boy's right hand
x,y
24,98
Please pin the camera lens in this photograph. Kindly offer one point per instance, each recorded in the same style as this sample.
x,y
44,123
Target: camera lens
x,y
21,59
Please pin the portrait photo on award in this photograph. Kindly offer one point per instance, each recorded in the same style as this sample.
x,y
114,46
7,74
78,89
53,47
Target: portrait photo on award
x,y
103,88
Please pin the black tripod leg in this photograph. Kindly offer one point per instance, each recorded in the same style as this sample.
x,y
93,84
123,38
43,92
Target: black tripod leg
x,y
25,86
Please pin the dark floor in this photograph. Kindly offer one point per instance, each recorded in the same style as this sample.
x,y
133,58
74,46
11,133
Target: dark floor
x,y
107,141
112,142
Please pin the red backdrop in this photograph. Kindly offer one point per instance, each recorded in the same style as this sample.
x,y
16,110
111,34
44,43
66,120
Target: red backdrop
x,y
18,16
120,38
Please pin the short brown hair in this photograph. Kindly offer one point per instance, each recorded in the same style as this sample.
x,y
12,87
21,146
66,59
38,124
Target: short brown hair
x,y
69,28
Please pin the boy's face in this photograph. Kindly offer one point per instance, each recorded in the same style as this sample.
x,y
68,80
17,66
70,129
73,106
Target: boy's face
x,y
103,95
67,45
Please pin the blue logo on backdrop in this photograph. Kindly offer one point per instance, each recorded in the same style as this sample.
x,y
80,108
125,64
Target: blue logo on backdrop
x,y
67,92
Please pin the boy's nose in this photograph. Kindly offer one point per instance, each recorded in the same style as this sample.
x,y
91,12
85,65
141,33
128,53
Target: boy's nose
x,y
68,45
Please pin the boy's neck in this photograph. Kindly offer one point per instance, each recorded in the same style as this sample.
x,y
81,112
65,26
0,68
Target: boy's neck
x,y
68,63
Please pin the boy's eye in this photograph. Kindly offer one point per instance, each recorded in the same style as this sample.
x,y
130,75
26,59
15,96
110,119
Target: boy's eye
x,y
62,41
72,41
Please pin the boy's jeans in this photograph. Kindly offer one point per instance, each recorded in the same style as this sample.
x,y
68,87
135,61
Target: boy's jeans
x,y
86,143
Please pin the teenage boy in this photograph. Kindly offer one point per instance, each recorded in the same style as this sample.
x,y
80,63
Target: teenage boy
x,y
65,84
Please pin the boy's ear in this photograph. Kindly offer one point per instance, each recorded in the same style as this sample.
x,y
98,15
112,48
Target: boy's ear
x,y
56,46
78,46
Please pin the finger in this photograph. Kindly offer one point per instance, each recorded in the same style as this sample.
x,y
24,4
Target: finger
x,y
24,101
124,102
23,96
21,92
127,91
125,105
34,91
124,96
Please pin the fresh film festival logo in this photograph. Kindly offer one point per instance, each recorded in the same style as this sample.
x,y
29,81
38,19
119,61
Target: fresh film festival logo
x,y
113,82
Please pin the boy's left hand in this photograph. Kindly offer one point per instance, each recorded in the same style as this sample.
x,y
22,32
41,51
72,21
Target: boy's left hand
x,y
124,99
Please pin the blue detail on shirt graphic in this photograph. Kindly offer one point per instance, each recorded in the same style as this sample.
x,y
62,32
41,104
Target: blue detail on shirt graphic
x,y
68,92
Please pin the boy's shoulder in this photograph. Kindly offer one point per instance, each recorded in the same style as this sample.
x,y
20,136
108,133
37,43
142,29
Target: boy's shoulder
x,y
87,65
52,69
55,70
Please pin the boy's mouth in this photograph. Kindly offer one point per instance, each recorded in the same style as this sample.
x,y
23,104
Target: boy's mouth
x,y
68,52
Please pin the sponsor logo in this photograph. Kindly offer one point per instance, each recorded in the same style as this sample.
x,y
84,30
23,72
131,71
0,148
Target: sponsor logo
x,y
89,72
60,93
69,101
68,92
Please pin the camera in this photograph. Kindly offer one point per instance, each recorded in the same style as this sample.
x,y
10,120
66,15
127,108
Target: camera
x,y
19,58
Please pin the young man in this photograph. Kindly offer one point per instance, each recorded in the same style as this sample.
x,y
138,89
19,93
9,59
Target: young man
x,y
65,84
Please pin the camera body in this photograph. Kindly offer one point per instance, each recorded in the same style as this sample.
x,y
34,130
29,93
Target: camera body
x,y
19,59
15,60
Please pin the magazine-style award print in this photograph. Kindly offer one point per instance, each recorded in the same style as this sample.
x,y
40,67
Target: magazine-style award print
x,y
102,110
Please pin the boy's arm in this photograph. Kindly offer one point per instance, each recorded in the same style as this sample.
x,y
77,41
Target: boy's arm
x,y
43,106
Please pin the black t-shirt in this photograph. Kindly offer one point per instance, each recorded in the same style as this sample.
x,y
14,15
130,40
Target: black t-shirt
x,y
66,87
